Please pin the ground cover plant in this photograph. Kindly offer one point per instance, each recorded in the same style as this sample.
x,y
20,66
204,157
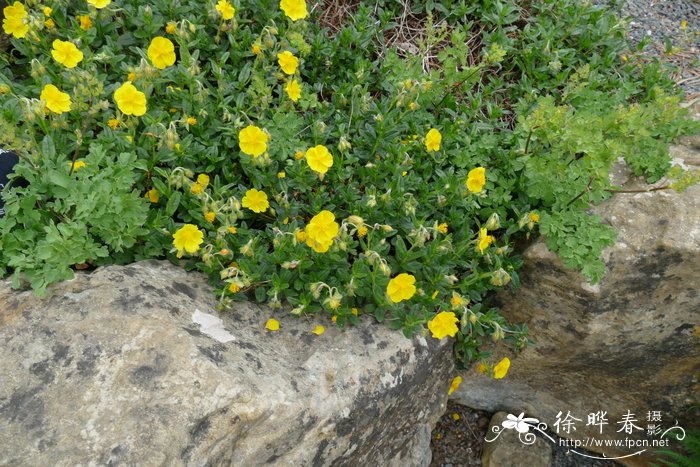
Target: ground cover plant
x,y
326,158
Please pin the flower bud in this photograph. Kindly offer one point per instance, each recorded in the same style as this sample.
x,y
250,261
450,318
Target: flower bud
x,y
452,280
315,289
500,277
497,333
291,264
344,144
355,220
494,222
385,269
247,249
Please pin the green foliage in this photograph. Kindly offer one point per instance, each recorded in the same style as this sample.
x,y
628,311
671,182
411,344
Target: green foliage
x,y
65,218
690,455
537,95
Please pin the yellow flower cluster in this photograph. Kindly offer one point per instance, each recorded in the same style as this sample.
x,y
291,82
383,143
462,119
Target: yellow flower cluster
x,y
444,324
187,239
56,101
319,159
253,141
401,287
226,9
294,9
321,231
15,20
255,200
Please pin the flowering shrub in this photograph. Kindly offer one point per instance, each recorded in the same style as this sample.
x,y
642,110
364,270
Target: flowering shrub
x,y
327,172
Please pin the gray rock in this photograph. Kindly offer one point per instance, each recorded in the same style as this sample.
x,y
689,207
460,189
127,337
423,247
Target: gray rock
x,y
133,366
629,343
509,448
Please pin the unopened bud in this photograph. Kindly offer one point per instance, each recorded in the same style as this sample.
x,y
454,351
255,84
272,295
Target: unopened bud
x,y
385,269
344,144
494,222
500,277
452,280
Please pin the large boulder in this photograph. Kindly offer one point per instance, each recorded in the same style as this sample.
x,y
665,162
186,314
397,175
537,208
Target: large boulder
x,y
629,343
133,366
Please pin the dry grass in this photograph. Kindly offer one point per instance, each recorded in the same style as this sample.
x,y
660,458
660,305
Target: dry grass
x,y
412,35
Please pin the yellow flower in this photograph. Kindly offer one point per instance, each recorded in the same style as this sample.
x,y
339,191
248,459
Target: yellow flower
x,y
318,330
233,288
191,121
161,52
56,100
66,53
442,228
113,123
99,3
501,368
77,165
47,11
252,140
49,23
294,9
288,62
684,25
153,195
443,324
362,231
272,324
210,216
355,311
455,416
319,159
197,188
171,27
433,140
401,287
226,9
256,49
484,240
482,368
203,179
187,238
454,385
293,90
15,20
255,200
457,301
300,235
85,22
476,179
130,100
232,230
299,155
321,231
281,174
534,217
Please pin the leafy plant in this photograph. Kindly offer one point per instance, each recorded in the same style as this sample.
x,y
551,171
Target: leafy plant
x,y
334,173
689,457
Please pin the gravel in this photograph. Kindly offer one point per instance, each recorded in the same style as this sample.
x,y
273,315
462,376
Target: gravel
x,y
671,40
